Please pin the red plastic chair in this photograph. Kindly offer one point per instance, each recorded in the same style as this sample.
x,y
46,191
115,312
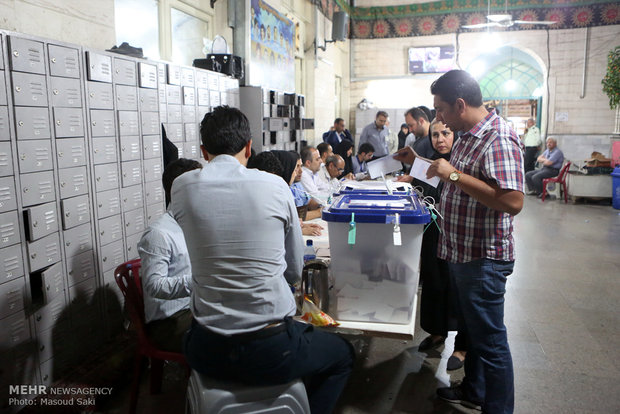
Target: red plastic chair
x,y
128,280
559,180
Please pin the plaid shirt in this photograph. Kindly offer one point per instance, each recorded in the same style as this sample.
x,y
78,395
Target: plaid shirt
x,y
492,152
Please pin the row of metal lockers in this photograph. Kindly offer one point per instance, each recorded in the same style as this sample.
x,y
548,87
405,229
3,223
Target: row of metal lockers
x,y
80,179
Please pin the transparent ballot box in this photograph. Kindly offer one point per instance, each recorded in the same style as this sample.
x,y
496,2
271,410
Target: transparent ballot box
x,y
375,243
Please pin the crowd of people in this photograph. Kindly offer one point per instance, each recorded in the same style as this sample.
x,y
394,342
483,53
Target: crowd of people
x,y
216,279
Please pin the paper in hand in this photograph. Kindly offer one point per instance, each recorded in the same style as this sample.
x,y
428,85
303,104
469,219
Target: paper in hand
x,y
418,170
384,165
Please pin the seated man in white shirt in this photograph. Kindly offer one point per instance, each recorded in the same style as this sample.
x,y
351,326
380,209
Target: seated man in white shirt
x,y
245,245
329,173
311,164
166,272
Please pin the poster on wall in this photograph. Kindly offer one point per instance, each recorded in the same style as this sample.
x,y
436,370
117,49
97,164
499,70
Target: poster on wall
x,y
272,56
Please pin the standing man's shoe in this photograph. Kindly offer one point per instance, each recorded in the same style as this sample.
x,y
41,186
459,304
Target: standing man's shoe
x,y
456,395
454,363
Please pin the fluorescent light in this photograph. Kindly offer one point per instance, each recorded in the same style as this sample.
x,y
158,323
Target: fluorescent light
x,y
537,92
511,85
477,68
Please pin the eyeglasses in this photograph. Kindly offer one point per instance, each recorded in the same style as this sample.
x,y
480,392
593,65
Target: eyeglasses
x,y
340,170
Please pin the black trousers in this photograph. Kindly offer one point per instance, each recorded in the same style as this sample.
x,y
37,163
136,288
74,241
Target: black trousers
x,y
323,360
529,163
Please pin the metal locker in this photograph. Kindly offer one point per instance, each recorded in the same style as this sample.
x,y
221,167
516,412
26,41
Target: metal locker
x,y
152,170
130,148
3,99
66,92
190,149
190,132
180,150
75,211
124,72
80,267
99,67
161,73
148,75
174,132
128,123
37,188
46,341
12,297
203,97
175,114
35,155
112,255
161,93
11,263
134,221
41,221
131,197
189,114
214,98
110,230
154,192
8,198
126,98
53,281
202,79
9,229
104,150
174,74
163,114
50,314
214,82
32,123
223,98
131,246
187,77
106,177
150,123
15,330
5,134
82,293
173,94
78,240
108,203
44,252
189,95
154,211
68,122
151,145
29,89
102,123
131,173
222,82
26,55
149,100
47,372
100,95
6,159
64,61
70,152
73,182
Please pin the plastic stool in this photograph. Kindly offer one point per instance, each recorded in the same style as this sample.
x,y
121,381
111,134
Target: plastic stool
x,y
208,396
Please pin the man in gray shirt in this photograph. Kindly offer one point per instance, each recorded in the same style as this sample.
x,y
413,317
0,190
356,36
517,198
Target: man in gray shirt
x,y
245,245
376,134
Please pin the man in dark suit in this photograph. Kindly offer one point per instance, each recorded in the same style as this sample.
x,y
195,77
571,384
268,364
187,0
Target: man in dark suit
x,y
337,133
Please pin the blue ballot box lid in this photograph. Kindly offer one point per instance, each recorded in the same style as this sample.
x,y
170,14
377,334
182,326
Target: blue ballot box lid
x,y
374,187
373,208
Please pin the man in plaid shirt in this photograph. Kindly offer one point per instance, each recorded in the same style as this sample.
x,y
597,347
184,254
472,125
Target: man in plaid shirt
x,y
483,190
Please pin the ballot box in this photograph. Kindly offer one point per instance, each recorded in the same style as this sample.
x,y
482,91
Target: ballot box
x,y
374,187
375,243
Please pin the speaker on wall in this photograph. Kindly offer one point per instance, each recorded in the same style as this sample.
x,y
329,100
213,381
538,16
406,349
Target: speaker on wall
x,y
340,23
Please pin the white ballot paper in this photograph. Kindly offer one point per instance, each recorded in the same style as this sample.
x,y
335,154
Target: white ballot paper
x,y
383,165
418,170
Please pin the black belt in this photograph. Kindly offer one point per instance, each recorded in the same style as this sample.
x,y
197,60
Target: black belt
x,y
266,332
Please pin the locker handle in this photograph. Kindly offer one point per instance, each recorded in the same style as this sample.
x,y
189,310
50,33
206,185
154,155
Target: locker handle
x,y
55,91
33,255
53,60
20,123
104,259
42,347
15,53
18,88
38,318
92,94
35,224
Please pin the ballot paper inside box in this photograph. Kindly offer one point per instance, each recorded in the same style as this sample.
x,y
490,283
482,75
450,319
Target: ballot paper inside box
x,y
375,278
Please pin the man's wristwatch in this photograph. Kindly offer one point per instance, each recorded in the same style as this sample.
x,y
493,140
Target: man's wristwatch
x,y
455,176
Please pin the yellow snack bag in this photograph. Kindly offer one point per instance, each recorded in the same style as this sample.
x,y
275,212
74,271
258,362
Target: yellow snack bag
x,y
312,314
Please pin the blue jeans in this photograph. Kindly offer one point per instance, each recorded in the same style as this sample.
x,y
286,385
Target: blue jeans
x,y
323,360
480,286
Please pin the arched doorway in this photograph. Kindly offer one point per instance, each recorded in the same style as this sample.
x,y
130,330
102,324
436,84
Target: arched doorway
x,y
512,81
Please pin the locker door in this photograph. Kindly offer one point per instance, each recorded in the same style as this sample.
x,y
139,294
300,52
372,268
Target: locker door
x,y
29,89
130,148
11,263
81,267
108,203
26,55
128,123
78,240
4,123
53,282
35,155
131,197
68,122
106,177
150,123
149,100
110,230
75,211
104,150
124,72
32,123
44,252
41,221
70,152
37,188
100,95
112,255
99,67
11,297
8,198
148,75
174,74
73,182
66,92
131,173
63,61
6,159
126,98
151,145
102,123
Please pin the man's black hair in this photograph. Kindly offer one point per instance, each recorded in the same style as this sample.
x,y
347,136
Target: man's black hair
x,y
365,148
224,130
266,161
429,114
381,113
173,170
416,113
338,120
306,154
322,147
457,84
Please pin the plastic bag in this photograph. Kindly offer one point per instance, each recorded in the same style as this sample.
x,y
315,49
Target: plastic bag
x,y
312,314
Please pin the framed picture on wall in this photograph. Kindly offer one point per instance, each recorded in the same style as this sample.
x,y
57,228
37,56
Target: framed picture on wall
x,y
272,48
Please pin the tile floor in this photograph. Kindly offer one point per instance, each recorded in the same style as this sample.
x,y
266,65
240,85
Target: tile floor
x,y
563,321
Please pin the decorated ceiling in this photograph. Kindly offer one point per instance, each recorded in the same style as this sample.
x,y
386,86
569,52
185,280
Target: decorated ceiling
x,y
449,16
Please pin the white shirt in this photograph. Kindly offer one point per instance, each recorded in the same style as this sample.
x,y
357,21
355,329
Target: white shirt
x,y
313,185
244,242
165,269
532,137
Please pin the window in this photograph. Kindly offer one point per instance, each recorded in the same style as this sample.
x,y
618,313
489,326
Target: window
x,y
136,23
188,33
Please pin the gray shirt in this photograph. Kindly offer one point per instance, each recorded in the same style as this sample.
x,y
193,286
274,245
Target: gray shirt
x,y
165,269
376,137
244,242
